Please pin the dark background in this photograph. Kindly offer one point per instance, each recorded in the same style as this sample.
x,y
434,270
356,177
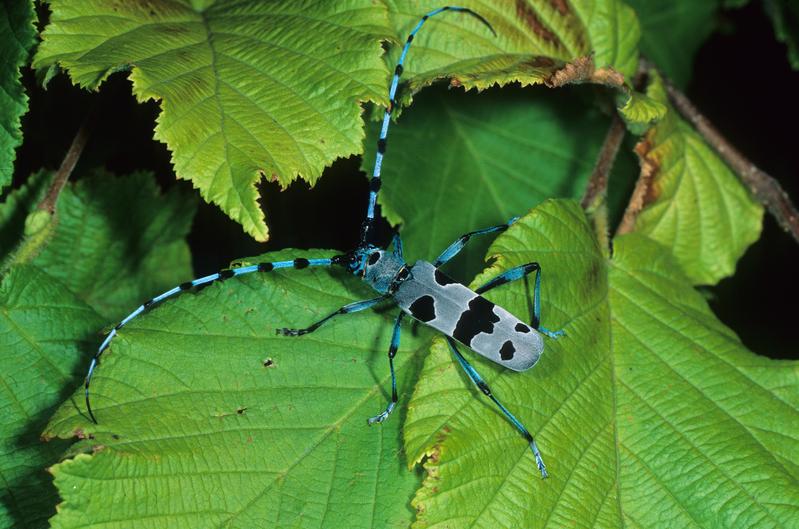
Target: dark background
x,y
742,82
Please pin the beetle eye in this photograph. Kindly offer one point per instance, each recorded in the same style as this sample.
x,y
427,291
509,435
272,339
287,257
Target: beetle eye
x,y
373,258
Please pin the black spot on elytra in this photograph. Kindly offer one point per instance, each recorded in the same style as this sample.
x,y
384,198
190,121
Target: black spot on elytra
x,y
442,279
373,258
423,309
479,317
520,327
507,350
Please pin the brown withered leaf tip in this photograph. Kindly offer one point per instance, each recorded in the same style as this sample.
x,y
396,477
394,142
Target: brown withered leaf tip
x,y
646,191
650,166
609,77
583,70
579,70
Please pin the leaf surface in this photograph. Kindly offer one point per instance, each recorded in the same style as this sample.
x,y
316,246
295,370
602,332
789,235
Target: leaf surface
x,y
695,204
45,331
196,431
17,37
649,412
118,239
247,89
672,32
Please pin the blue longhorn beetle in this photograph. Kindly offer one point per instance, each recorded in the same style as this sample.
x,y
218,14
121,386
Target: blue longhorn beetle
x,y
421,290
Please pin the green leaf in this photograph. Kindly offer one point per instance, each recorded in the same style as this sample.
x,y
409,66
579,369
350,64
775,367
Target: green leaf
x,y
613,31
535,39
248,89
45,330
120,240
695,204
458,162
195,430
117,239
672,32
785,18
640,111
649,412
15,209
17,37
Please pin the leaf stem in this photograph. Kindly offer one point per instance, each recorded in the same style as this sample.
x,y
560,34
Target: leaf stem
x,y
61,177
597,187
763,186
594,200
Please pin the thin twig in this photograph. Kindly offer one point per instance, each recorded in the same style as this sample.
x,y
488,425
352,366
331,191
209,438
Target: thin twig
x,y
61,177
762,185
598,182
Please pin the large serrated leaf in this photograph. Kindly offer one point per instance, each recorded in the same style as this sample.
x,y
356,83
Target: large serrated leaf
x,y
534,38
198,429
17,37
247,88
694,204
116,240
649,412
45,330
